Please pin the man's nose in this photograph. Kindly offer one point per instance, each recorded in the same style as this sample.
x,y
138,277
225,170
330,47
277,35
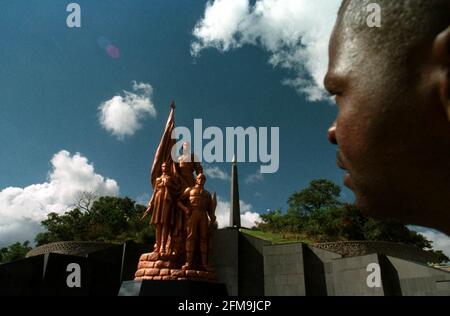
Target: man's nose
x,y
332,134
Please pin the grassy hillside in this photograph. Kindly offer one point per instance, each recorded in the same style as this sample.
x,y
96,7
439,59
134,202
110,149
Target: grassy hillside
x,y
277,238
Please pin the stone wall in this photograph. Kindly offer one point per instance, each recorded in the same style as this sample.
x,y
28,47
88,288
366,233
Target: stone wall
x,y
348,277
72,248
251,265
416,279
225,258
284,273
314,266
362,248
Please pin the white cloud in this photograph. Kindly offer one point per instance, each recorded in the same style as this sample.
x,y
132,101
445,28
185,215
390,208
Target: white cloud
x,y
122,114
257,177
248,218
294,32
22,209
143,199
216,173
440,240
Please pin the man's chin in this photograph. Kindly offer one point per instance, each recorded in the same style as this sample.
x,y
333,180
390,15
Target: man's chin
x,y
379,208
361,204
376,204
369,206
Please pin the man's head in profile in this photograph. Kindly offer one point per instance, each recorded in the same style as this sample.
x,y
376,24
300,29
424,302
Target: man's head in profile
x,y
392,88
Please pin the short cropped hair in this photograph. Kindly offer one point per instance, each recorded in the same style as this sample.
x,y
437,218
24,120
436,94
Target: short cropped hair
x,y
405,23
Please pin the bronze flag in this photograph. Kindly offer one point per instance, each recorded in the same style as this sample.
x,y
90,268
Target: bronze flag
x,y
163,153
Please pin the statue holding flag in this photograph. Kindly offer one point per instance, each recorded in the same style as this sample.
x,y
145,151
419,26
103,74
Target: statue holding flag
x,y
172,215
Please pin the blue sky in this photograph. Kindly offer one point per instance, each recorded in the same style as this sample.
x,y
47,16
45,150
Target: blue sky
x,y
54,79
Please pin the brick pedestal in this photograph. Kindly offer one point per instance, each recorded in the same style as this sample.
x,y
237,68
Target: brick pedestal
x,y
153,266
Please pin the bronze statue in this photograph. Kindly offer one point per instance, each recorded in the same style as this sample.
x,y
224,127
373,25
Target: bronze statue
x,y
199,206
184,222
162,205
185,168
188,164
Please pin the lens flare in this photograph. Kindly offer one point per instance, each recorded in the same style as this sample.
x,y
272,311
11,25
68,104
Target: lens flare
x,y
111,50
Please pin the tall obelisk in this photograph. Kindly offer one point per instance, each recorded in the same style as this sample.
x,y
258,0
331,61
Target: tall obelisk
x,y
235,211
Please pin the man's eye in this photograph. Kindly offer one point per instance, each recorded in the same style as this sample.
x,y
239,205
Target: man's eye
x,y
334,93
338,93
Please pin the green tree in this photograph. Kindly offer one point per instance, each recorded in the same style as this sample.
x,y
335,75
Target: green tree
x,y
318,196
272,221
442,258
392,231
312,207
109,219
14,252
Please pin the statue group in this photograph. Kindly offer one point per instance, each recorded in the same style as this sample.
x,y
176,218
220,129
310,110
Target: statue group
x,y
183,213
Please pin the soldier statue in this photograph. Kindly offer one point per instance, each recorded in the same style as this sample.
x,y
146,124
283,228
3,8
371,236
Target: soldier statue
x,y
199,207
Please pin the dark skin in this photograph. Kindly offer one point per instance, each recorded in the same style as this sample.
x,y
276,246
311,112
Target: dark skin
x,y
393,126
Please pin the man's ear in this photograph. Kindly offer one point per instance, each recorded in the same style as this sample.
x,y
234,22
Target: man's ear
x,y
441,53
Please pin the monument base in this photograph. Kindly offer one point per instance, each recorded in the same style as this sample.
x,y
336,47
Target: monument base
x,y
156,267
172,288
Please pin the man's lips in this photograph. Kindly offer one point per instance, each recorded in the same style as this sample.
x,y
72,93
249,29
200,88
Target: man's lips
x,y
347,177
340,163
